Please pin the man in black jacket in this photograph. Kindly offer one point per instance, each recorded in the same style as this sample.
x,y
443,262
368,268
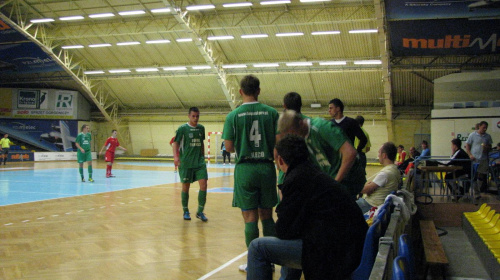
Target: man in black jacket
x,y
458,158
350,126
320,229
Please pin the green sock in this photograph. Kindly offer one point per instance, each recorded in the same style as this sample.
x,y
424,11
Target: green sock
x,y
251,232
202,199
185,200
268,228
81,171
90,171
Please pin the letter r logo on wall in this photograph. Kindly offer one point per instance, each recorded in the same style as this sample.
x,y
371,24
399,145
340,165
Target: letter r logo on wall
x,y
64,101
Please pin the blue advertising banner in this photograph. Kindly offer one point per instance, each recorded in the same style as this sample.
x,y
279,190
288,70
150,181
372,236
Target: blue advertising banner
x,y
441,9
9,34
444,37
26,58
57,136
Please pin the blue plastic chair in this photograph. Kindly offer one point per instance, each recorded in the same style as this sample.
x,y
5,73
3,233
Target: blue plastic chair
x,y
370,250
404,250
382,217
400,269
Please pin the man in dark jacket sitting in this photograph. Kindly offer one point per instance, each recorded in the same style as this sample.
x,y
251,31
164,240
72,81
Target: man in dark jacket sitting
x,y
320,229
458,158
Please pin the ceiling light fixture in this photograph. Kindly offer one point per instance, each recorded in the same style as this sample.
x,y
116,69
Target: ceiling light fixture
x,y
158,42
259,65
300,63
184,40
200,7
176,68
214,38
146,69
235,5
290,34
367,62
202,67
119,71
275,2
41,20
160,10
309,1
100,45
363,31
93,72
128,43
325,32
104,15
232,66
131,13
72,47
254,36
325,63
71,18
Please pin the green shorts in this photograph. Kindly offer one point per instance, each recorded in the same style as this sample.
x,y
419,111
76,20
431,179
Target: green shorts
x,y
190,175
255,186
83,157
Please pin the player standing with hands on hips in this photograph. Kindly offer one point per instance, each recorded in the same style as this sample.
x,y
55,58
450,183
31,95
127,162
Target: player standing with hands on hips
x,y
111,145
83,153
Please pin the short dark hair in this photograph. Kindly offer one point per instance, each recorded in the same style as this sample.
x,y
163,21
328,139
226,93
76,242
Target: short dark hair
x,y
360,120
337,103
401,146
193,109
425,142
457,142
83,126
250,85
292,101
113,130
483,123
293,149
390,150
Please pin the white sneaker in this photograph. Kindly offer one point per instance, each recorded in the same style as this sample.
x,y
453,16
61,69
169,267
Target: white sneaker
x,y
224,163
243,267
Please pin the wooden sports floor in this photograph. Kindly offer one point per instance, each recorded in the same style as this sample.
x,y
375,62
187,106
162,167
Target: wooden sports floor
x,y
52,226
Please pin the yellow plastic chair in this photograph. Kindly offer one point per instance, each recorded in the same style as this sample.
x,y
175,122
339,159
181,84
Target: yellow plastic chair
x,y
484,220
478,212
493,244
482,216
491,237
489,231
489,224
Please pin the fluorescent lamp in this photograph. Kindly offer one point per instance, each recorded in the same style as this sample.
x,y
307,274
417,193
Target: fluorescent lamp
x,y
72,47
254,36
100,45
234,5
146,69
184,40
289,34
367,62
200,7
363,31
93,72
128,43
266,65
231,66
177,68
202,67
332,62
158,42
275,2
160,10
41,20
101,15
309,1
131,13
71,18
214,38
119,71
299,63
315,105
325,32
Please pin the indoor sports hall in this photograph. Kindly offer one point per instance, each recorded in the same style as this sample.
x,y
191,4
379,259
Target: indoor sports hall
x,y
106,75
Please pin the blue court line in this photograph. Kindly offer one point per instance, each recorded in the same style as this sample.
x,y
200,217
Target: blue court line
x,y
42,184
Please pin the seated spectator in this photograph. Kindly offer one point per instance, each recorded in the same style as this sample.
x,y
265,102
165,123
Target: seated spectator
x,y
319,227
426,153
458,158
401,156
405,166
386,181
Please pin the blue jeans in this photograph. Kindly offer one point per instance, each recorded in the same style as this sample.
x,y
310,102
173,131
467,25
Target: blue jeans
x,y
364,205
266,250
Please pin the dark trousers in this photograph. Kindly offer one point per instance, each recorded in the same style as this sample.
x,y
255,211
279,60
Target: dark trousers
x,y
362,161
226,154
5,154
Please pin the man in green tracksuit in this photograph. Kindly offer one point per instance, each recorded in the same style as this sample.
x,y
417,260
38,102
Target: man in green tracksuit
x,y
83,153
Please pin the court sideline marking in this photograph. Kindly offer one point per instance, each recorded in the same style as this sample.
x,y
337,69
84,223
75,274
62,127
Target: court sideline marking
x,y
223,266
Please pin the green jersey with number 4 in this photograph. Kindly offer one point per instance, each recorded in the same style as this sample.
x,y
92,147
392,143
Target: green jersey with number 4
x,y
252,128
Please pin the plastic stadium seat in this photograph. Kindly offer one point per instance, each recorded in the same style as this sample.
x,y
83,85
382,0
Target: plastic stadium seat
x,y
370,250
478,212
484,220
404,250
482,215
400,269
489,224
484,233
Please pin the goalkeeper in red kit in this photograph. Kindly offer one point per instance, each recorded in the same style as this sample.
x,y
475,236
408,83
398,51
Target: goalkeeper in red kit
x,y
111,145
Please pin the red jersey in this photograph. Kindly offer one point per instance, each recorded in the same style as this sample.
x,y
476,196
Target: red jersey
x,y
111,144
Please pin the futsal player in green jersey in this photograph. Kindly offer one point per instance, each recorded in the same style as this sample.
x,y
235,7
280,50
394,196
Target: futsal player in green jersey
x,y
189,157
250,131
329,148
83,153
